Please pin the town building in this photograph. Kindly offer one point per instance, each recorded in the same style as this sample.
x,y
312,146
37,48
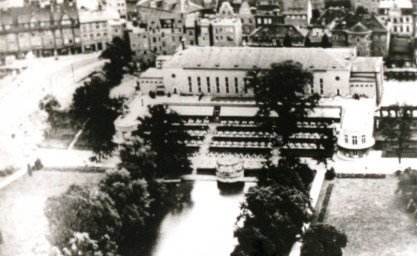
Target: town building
x,y
98,28
363,31
44,31
119,6
369,5
297,12
274,36
220,32
222,71
167,24
399,15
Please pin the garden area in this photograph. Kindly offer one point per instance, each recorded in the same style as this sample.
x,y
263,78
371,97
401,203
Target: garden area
x,y
371,215
22,220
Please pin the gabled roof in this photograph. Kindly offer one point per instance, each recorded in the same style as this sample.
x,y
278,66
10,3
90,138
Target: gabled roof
x,y
174,6
331,14
250,58
369,21
279,31
359,28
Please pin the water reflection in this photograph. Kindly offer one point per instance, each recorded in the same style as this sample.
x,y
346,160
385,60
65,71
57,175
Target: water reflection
x,y
205,228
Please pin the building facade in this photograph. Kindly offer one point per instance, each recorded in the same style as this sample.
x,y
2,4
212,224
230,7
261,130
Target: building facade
x,y
44,31
274,36
398,14
369,5
221,71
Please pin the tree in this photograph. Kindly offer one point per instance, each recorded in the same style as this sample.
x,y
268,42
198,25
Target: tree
x,y
290,172
51,106
323,240
397,128
119,55
327,141
84,210
307,42
94,111
287,41
163,131
361,10
270,220
138,159
325,42
131,199
283,90
82,244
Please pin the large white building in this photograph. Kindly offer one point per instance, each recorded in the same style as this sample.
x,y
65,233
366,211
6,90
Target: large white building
x,y
222,71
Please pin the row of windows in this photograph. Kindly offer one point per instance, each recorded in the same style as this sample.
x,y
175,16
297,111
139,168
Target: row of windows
x,y
361,85
217,82
355,139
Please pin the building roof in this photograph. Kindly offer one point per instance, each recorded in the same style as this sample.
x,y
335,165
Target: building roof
x,y
402,4
367,64
246,58
152,73
174,6
367,21
331,14
88,16
277,31
359,28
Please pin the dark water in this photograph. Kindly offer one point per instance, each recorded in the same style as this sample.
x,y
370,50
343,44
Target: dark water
x,y
205,228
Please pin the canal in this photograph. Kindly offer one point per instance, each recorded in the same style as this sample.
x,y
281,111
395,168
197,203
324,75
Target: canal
x,y
205,228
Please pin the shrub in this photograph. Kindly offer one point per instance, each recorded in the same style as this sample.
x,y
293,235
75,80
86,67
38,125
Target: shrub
x,y
7,171
330,174
38,165
326,201
356,96
152,94
360,176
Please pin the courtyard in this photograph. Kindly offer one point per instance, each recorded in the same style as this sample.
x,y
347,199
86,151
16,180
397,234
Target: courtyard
x,y
368,211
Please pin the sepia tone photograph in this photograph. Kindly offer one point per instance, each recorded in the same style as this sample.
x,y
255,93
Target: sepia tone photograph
x,y
208,127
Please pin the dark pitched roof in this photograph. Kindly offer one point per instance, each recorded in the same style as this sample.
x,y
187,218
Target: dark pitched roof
x,y
368,21
331,14
278,31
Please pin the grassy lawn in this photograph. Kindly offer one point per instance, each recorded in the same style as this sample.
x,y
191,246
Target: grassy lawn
x,y
22,221
369,213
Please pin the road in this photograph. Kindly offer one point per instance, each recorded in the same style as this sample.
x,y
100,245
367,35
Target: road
x,y
21,122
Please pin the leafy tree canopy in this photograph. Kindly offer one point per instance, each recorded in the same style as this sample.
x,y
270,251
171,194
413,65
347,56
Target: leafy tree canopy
x,y
323,240
283,90
119,55
396,127
84,210
271,218
163,130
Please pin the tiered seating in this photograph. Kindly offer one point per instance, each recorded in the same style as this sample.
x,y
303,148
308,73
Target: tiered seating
x,y
245,134
196,121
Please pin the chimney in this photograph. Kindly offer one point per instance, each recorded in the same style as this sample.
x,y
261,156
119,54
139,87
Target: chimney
x,y
183,44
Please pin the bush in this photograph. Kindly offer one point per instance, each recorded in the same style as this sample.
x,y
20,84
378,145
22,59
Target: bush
x,y
152,94
7,171
326,201
356,96
360,176
169,95
38,165
330,174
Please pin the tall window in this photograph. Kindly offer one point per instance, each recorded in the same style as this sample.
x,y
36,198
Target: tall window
x,y
346,139
226,80
245,88
312,89
236,85
354,140
199,84
321,86
363,139
208,84
217,85
190,84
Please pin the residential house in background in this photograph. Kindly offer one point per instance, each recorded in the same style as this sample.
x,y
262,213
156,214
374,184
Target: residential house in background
x,y
98,27
363,31
120,6
274,36
44,31
297,12
398,14
369,5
